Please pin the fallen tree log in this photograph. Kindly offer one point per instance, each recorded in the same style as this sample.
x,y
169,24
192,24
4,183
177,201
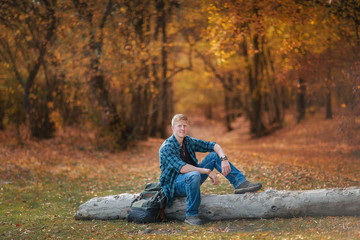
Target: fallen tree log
x,y
268,204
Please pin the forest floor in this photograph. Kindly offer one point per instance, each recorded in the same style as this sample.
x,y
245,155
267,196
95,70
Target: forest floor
x,y
42,183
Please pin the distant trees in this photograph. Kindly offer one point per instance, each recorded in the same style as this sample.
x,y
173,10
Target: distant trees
x,y
240,30
275,43
113,64
146,53
27,31
88,11
117,51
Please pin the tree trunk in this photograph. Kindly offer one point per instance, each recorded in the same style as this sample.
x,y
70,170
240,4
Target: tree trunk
x,y
329,114
39,116
328,96
254,112
257,126
166,84
301,104
268,204
2,110
273,100
113,122
227,110
139,112
40,125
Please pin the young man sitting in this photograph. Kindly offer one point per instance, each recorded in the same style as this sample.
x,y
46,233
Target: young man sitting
x,y
182,175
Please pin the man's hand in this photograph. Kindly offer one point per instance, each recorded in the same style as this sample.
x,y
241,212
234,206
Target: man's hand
x,y
225,167
214,178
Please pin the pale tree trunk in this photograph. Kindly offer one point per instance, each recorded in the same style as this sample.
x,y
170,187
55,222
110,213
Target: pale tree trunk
x,y
268,204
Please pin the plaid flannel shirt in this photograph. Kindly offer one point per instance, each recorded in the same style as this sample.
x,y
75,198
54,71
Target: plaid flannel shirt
x,y
171,163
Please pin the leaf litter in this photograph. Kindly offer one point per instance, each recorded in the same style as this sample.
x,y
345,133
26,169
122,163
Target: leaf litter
x,y
60,174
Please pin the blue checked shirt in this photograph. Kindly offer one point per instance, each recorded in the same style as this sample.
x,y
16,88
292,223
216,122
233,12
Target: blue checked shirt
x,y
171,163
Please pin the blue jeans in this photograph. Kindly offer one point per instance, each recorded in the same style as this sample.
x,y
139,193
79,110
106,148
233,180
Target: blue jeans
x,y
188,184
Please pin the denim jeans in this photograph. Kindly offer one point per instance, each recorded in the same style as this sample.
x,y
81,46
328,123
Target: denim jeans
x,y
188,184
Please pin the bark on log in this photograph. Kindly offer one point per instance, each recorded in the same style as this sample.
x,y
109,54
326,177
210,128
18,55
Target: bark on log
x,y
268,204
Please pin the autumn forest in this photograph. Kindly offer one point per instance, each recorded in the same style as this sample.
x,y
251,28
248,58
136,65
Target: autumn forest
x,y
87,83
125,66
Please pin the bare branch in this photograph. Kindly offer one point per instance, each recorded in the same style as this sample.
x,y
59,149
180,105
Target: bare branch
x,y
107,12
211,67
12,62
182,68
37,63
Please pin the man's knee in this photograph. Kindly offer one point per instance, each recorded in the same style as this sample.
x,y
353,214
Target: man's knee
x,y
213,155
193,178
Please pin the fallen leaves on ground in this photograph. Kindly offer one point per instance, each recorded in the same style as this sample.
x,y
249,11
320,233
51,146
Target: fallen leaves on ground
x,y
45,181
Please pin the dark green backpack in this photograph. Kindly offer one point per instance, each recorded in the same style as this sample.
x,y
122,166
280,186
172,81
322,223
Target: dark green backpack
x,y
149,205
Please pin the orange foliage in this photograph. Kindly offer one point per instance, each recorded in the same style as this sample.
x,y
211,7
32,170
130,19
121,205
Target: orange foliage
x,y
312,154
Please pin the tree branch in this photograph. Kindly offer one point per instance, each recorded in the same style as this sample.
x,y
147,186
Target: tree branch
x,y
213,70
182,68
12,62
35,68
107,12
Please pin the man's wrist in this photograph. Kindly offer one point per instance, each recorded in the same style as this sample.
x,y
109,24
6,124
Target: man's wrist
x,y
223,158
208,172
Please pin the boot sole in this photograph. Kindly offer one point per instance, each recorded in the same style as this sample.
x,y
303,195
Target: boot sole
x,y
194,224
250,189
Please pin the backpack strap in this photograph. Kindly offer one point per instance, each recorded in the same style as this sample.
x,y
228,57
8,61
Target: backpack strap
x,y
161,216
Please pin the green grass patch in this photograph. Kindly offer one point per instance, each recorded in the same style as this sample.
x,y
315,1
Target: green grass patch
x,y
44,210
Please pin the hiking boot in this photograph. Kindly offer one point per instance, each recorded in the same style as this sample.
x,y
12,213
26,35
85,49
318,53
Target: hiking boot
x,y
248,187
193,220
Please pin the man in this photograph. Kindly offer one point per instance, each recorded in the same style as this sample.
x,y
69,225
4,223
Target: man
x,y
182,175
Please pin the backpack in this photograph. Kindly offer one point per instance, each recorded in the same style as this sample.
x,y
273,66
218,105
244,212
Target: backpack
x,y
149,206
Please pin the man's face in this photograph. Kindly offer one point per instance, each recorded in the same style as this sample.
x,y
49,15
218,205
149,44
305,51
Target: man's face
x,y
180,129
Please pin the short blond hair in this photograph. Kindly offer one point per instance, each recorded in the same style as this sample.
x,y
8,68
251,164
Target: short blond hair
x,y
179,117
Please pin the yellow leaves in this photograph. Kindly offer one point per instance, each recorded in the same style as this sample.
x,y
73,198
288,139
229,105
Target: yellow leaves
x,y
57,55
28,38
88,174
6,65
22,17
50,105
343,105
57,119
32,96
